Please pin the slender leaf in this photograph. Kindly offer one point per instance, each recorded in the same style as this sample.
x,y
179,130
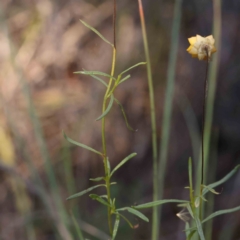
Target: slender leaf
x,y
77,227
108,167
191,234
224,179
134,212
99,199
189,209
80,144
159,202
221,212
199,227
124,79
107,109
186,229
123,162
98,33
124,115
97,78
92,73
116,225
128,222
85,191
96,179
140,63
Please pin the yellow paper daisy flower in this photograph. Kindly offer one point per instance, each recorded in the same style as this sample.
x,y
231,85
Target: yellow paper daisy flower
x,y
201,47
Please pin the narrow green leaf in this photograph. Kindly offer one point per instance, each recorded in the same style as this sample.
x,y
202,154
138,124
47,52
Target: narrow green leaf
x,y
80,144
77,227
108,167
134,212
191,234
159,202
97,78
85,191
92,73
124,79
128,222
96,179
99,199
189,209
224,179
221,212
199,227
124,115
186,229
98,33
116,225
123,162
140,63
190,173
107,109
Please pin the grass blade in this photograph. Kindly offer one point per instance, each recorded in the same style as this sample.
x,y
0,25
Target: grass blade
x,y
123,162
80,144
85,191
107,109
77,228
167,112
159,202
98,33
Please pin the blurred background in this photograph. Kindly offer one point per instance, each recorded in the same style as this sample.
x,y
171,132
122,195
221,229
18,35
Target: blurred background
x,y
42,42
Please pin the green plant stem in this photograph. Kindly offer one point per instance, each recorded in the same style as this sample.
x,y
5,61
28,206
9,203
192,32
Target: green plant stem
x,y
155,218
106,96
107,179
169,97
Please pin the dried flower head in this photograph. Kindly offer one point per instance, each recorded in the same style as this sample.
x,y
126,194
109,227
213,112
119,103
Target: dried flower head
x,y
201,47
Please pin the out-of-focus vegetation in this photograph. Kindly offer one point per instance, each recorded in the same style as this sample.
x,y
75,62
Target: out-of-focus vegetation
x,y
41,44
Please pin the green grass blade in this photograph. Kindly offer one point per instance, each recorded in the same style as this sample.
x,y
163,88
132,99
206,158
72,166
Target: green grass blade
x,y
124,115
199,227
99,199
85,191
80,144
167,112
107,109
92,73
134,212
224,179
124,79
159,202
136,65
221,212
123,162
77,228
116,225
98,33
